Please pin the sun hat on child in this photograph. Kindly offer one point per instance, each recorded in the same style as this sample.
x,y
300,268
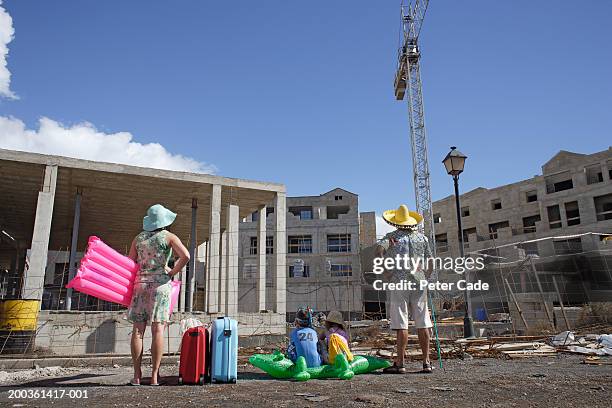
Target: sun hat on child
x,y
304,316
335,317
157,217
402,217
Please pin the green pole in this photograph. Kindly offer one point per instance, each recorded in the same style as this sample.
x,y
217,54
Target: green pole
x,y
433,314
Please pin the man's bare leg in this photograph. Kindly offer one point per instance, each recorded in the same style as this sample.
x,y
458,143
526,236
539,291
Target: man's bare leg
x,y
402,342
424,343
424,337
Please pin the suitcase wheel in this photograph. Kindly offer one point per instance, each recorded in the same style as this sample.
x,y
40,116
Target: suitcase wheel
x,y
233,381
201,381
180,381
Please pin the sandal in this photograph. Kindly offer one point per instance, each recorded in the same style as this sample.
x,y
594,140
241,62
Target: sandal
x,y
133,384
395,369
427,368
159,382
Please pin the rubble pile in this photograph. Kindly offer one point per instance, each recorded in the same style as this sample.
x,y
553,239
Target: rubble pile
x,y
7,377
375,338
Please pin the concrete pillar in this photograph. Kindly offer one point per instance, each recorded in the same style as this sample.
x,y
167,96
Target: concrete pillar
x,y
588,212
20,259
190,289
261,259
73,246
206,276
200,282
13,289
322,213
11,275
223,273
233,219
183,279
34,276
280,252
14,263
212,289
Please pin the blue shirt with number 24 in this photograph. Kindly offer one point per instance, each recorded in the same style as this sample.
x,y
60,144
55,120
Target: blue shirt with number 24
x,y
304,342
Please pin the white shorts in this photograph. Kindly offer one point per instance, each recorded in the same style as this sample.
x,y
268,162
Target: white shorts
x,y
403,303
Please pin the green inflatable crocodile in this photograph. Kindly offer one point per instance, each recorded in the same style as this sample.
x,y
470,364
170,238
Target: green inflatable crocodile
x,y
279,366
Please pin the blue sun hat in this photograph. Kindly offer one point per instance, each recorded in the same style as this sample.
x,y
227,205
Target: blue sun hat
x,y
157,217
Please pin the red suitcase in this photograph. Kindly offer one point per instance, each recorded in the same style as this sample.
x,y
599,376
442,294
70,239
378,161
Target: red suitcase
x,y
194,362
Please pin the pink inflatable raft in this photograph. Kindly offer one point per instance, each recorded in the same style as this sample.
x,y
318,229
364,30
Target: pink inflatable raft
x,y
107,275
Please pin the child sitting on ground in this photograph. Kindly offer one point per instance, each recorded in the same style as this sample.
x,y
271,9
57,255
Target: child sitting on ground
x,y
303,339
334,339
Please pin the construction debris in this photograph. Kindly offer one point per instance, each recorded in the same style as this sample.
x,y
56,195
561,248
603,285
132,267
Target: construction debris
x,y
605,340
597,361
442,389
604,351
563,339
374,340
317,398
7,377
406,390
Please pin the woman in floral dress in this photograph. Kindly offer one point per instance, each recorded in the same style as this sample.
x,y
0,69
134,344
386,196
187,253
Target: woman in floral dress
x,y
152,249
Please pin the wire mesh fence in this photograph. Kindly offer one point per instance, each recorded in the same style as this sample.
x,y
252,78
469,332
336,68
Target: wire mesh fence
x,y
542,286
533,287
223,285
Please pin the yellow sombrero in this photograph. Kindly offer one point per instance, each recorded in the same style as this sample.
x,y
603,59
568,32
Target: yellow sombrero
x,y
402,217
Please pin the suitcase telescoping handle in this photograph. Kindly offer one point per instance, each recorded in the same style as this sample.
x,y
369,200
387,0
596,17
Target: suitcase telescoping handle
x,y
227,331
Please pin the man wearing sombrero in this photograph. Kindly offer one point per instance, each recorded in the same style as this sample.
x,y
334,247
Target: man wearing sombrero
x,y
407,240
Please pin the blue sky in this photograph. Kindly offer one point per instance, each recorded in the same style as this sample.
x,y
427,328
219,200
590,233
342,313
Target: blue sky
x,y
302,93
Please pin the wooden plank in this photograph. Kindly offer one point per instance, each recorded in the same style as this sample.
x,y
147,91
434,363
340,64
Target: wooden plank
x,y
515,338
548,312
597,361
520,346
516,304
567,325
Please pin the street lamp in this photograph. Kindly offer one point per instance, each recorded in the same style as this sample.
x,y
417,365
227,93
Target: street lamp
x,y
454,162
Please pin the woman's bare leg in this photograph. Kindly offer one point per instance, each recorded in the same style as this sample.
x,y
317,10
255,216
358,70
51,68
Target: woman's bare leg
x,y
138,332
157,348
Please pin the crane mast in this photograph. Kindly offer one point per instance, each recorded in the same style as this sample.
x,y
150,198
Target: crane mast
x,y
408,80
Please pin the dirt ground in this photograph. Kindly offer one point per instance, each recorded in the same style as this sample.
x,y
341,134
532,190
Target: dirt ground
x,y
547,381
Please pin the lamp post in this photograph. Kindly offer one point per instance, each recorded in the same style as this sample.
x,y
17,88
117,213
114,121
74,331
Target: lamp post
x,y
454,162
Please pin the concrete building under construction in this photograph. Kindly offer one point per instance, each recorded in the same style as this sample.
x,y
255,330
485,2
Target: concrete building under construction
x,y
51,205
324,235
572,196
543,239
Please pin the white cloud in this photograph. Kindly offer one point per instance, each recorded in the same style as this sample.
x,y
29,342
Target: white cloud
x,y
382,228
84,141
7,32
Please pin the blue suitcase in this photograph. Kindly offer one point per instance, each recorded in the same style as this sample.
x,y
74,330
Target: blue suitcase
x,y
224,353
